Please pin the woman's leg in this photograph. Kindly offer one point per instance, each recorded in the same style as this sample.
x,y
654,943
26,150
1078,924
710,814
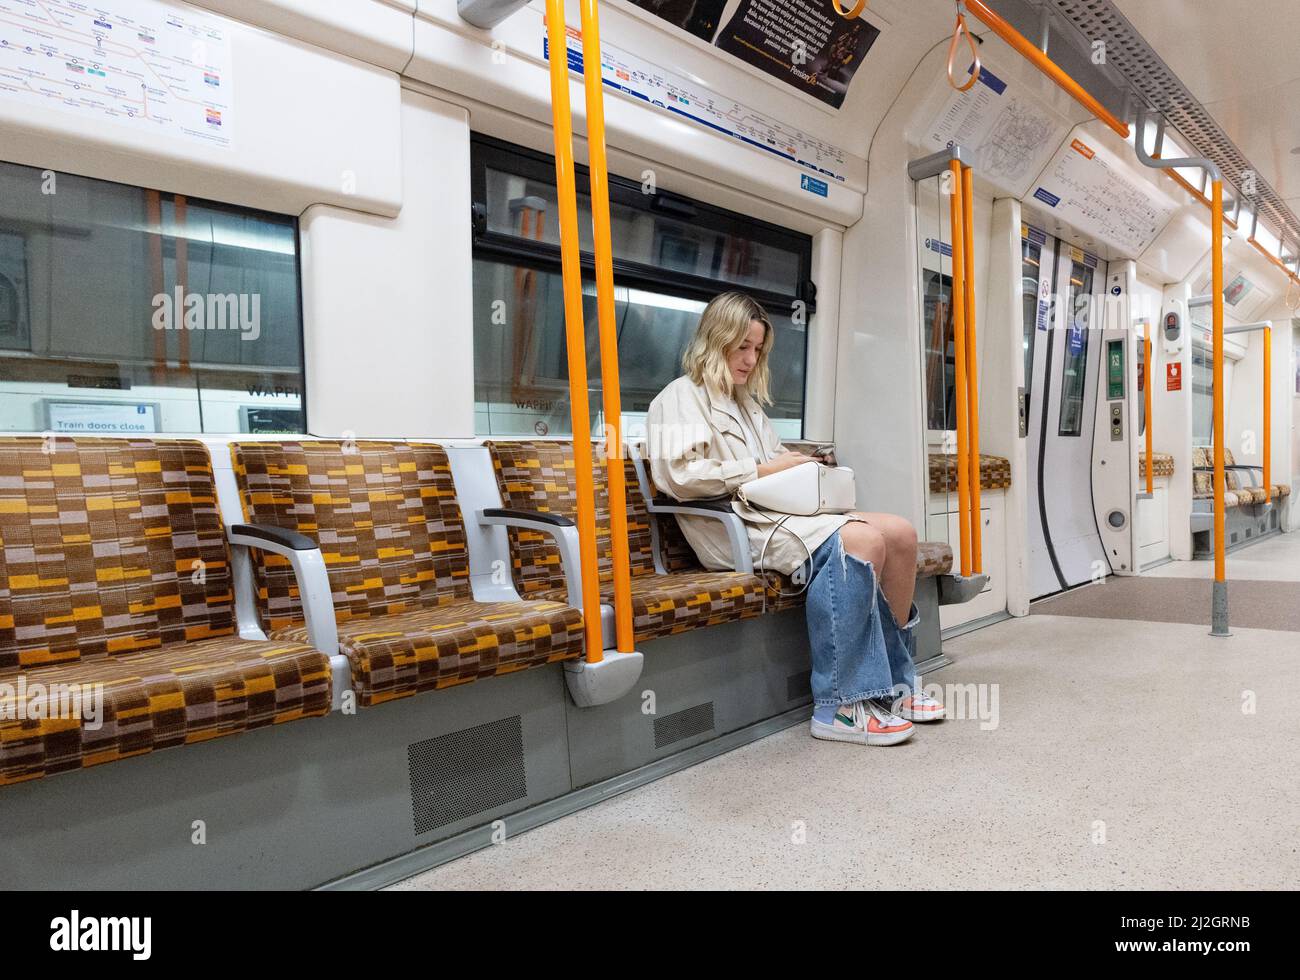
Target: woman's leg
x,y
900,630
852,669
850,659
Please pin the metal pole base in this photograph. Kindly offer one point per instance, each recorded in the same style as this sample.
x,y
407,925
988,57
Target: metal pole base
x,y
1219,610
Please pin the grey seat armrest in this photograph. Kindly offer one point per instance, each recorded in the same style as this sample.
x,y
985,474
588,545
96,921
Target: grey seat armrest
x,y
308,568
561,529
717,509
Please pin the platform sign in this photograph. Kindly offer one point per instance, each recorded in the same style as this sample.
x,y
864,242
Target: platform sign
x,y
101,418
1173,376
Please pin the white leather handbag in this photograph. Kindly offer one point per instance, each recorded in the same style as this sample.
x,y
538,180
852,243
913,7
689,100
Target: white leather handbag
x,y
803,490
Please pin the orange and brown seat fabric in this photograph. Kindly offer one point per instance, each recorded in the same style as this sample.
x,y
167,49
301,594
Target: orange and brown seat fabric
x,y
540,476
1163,465
995,473
117,622
392,536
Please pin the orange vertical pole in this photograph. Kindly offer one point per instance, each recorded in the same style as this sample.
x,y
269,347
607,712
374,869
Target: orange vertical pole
x,y
1268,413
957,223
972,369
1216,288
591,72
574,325
1146,384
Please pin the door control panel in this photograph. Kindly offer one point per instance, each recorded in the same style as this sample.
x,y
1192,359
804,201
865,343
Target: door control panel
x,y
1023,411
1117,422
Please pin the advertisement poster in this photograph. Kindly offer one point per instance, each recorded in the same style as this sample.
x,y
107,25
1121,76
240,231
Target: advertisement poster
x,y
700,17
802,42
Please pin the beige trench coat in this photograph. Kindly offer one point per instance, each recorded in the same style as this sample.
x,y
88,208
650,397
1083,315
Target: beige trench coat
x,y
697,449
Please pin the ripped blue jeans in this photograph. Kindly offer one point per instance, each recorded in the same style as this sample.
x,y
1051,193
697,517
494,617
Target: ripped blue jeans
x,y
858,649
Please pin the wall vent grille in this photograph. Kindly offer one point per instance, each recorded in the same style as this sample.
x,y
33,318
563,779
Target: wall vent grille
x,y
683,724
465,773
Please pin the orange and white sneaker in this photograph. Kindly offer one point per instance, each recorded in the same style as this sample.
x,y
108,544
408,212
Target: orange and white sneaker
x,y
864,722
919,706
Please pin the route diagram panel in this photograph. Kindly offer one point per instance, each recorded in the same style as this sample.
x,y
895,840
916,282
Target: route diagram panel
x,y
636,77
1088,189
1012,133
160,68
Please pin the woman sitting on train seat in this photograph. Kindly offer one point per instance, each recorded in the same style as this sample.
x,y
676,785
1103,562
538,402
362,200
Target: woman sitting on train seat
x,y
707,434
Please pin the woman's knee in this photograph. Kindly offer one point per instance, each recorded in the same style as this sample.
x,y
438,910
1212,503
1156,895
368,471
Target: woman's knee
x,y
899,534
864,542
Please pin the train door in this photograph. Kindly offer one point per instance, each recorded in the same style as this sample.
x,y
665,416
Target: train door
x,y
1062,360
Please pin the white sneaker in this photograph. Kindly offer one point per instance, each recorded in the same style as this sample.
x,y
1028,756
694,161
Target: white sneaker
x,y
864,722
918,706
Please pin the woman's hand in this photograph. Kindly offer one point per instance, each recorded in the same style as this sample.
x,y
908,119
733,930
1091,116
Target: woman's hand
x,y
783,462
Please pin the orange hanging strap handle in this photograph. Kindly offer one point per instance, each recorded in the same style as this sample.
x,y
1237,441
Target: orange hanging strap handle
x,y
1290,287
858,7
959,29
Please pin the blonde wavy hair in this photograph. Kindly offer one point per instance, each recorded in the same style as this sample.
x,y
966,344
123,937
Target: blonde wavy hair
x,y
722,328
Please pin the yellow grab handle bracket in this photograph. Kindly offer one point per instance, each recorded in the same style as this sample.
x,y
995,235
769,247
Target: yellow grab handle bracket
x,y
858,7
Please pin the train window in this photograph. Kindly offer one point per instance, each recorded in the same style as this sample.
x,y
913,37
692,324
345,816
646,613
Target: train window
x,y
940,356
125,310
671,255
1031,255
1141,388
1203,378
1202,396
1074,366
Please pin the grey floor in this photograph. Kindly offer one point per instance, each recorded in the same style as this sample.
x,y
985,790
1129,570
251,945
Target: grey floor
x,y
1094,753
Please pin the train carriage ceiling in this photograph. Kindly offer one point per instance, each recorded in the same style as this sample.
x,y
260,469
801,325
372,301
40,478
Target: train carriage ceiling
x,y
1223,71
1239,59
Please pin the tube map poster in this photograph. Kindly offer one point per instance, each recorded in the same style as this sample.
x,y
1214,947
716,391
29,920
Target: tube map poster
x,y
802,42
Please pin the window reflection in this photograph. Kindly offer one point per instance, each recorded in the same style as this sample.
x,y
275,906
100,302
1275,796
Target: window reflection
x,y
521,365
126,310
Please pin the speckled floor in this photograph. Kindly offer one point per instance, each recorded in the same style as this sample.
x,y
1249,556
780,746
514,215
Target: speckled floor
x,y
1275,558
1125,755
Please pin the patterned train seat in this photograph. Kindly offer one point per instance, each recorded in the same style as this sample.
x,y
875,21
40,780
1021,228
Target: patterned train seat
x,y
393,538
995,473
116,606
1163,465
1239,486
540,476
